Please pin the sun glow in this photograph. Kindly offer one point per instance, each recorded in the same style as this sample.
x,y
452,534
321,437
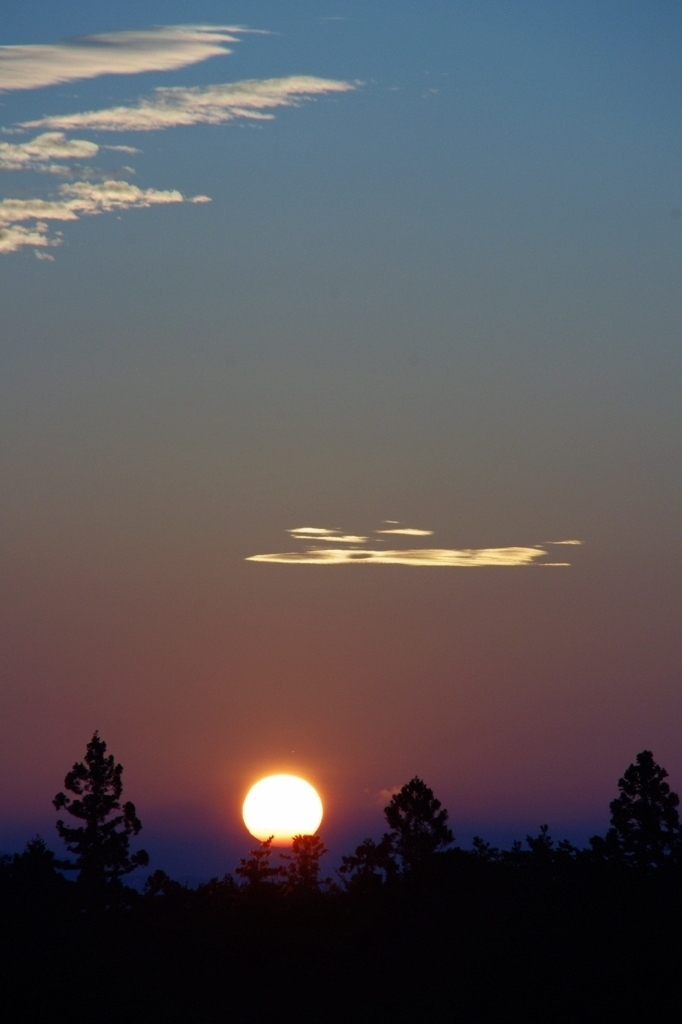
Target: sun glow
x,y
282,806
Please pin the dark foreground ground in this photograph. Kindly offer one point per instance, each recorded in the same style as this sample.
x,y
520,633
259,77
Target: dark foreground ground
x,y
465,941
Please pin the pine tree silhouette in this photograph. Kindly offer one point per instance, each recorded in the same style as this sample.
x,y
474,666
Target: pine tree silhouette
x,y
418,825
302,871
371,864
257,869
645,822
101,843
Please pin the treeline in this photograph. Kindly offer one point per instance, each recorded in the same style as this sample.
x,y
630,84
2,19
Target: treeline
x,y
410,925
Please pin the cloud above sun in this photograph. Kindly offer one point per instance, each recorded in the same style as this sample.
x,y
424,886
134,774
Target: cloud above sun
x,y
319,534
417,556
26,222
319,553
407,531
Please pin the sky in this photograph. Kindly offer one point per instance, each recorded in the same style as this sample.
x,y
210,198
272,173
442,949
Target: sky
x,y
340,421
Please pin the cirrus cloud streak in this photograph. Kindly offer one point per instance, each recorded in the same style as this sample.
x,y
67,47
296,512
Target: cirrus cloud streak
x,y
467,557
213,104
408,531
164,48
320,534
317,554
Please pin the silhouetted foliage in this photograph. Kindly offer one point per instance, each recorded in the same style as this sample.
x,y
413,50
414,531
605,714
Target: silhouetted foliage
x,y
258,870
534,932
302,870
34,877
418,824
541,845
36,865
219,894
515,855
485,851
371,865
161,884
101,843
645,822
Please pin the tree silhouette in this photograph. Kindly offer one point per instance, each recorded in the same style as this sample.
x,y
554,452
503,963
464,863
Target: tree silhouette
x,y
35,876
541,847
485,851
101,843
418,825
36,862
257,869
161,884
371,863
645,822
302,871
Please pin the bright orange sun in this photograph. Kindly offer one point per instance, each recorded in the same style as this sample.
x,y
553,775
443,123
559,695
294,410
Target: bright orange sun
x,y
282,806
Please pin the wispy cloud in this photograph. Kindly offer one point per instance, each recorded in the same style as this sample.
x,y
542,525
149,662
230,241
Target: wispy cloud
x,y
418,556
122,149
311,531
14,236
318,553
28,67
37,154
408,531
78,199
384,796
319,534
164,48
212,104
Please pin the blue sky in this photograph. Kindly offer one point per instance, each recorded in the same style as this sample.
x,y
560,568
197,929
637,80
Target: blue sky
x,y
441,288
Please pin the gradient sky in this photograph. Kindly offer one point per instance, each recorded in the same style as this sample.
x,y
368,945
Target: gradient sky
x,y
436,288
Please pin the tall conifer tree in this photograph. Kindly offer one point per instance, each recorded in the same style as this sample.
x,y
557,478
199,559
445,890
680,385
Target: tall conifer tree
x,y
101,844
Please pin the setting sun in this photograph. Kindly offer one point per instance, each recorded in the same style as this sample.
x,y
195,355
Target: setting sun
x,y
282,806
